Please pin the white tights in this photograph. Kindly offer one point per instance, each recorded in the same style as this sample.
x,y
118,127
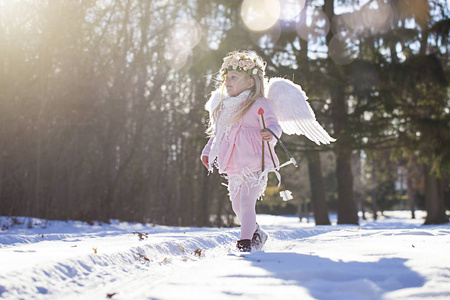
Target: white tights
x,y
243,204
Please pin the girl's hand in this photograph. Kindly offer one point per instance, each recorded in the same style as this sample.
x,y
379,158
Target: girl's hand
x,y
266,135
205,161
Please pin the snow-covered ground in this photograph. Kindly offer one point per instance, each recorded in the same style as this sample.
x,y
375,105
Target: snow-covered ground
x,y
393,258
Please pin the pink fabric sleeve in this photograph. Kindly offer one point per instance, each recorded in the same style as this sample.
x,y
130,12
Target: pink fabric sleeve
x,y
207,148
271,119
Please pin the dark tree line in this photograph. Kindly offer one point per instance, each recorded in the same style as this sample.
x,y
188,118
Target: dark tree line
x,y
101,105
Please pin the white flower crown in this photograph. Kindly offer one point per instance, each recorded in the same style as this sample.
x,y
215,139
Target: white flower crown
x,y
241,63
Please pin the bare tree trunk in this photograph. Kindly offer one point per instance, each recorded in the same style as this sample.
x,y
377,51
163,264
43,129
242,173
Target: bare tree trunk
x,y
362,207
411,197
317,189
300,212
374,194
434,200
347,213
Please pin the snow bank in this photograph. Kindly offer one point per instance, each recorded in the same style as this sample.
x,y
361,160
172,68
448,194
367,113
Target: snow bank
x,y
392,258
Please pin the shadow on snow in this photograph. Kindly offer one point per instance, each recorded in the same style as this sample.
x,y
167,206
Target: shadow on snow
x,y
328,279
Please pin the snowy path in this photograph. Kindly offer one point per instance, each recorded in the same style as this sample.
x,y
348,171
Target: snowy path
x,y
394,258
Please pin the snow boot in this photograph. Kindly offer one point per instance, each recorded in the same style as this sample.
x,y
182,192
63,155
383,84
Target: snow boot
x,y
259,239
244,246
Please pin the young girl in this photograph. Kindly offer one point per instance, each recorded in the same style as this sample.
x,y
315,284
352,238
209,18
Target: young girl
x,y
237,138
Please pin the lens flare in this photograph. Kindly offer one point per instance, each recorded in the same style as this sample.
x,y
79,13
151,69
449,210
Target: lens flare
x,y
313,24
342,51
376,18
260,15
353,20
290,9
266,38
183,37
339,28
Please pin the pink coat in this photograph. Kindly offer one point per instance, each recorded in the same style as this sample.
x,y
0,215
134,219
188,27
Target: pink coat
x,y
241,152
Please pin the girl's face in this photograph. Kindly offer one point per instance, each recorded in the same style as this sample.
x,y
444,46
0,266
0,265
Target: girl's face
x,y
237,82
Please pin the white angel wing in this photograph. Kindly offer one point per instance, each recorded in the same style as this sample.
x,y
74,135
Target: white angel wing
x,y
294,113
213,101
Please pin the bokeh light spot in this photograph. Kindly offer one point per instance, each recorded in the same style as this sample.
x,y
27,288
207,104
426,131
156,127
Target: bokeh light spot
x,y
260,15
290,9
313,24
375,18
353,20
266,38
378,19
340,28
342,51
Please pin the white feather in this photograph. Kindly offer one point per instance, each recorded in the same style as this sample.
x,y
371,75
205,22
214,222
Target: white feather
x,y
294,113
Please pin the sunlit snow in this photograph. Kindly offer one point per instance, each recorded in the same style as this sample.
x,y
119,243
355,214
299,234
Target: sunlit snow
x,y
393,258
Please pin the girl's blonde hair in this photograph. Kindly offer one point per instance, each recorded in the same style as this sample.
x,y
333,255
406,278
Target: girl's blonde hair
x,y
256,92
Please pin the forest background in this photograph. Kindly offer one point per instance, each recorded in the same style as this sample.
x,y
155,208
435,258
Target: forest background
x,y
102,106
